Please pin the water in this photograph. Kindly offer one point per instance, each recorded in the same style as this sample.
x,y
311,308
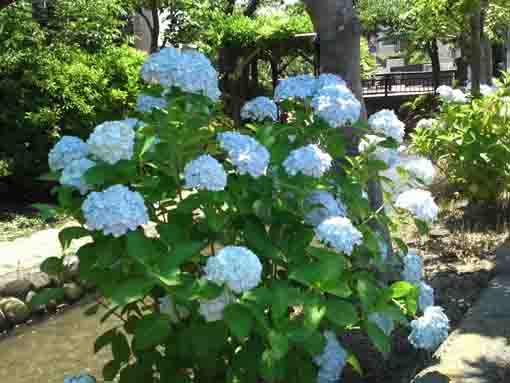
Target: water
x,y
47,351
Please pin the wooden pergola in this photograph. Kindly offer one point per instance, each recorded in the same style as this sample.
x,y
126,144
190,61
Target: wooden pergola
x,y
239,66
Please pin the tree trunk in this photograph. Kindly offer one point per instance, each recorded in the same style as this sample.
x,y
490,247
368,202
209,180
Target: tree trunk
x,y
155,26
433,52
486,70
475,21
462,62
339,32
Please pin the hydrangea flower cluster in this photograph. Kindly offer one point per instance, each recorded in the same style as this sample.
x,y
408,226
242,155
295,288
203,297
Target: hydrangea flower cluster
x,y
72,175
426,123
309,160
115,211
82,378
448,94
336,105
246,153
65,151
420,203
212,310
146,103
236,267
390,156
300,87
383,322
430,330
339,233
387,123
205,173
260,109
113,141
328,207
190,71
329,79
420,168
332,360
413,267
426,298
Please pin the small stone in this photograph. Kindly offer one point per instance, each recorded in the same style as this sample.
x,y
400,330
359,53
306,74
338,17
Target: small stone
x,y
439,233
4,324
37,308
18,288
71,267
73,291
15,310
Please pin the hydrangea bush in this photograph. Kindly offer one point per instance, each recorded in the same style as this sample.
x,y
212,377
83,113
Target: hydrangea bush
x,y
262,250
468,140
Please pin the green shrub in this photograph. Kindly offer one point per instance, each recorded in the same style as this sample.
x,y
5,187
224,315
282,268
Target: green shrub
x,y
49,88
471,143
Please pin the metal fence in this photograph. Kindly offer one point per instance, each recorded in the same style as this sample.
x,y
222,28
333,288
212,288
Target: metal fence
x,y
404,83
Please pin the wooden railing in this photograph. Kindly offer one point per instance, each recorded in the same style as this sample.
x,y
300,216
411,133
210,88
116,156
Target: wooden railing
x,y
388,84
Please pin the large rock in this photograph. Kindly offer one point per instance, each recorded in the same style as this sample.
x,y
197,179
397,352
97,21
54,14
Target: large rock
x,y
73,291
18,289
39,280
15,310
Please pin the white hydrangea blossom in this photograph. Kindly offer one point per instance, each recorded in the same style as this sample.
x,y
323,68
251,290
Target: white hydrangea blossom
x,y
383,322
237,267
395,184
336,105
191,71
387,123
445,92
413,267
73,174
66,150
260,109
430,330
329,206
82,378
167,306
212,310
113,141
339,233
115,210
205,173
309,160
332,360
420,203
246,153
300,87
420,168
426,123
458,97
390,156
426,298
146,103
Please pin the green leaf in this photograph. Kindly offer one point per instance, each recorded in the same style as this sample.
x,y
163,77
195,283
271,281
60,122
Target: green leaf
x,y
258,240
341,313
46,211
401,289
324,272
110,370
314,313
151,330
271,369
105,339
239,320
44,297
129,291
380,340
279,344
354,362
140,247
52,266
368,293
181,253
66,235
120,348
147,144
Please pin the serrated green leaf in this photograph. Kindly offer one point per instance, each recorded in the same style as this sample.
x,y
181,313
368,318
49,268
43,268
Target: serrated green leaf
x,y
341,313
401,289
151,330
279,344
66,235
239,320
378,337
52,266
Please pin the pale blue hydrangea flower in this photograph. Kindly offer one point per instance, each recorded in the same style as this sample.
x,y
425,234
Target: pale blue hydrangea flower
x,y
246,153
66,150
329,79
82,378
420,168
191,71
235,266
336,105
325,205
115,211
387,123
390,156
212,310
73,174
205,173
332,360
430,330
146,103
426,123
382,321
426,298
339,233
420,203
260,109
458,97
413,267
113,141
300,87
445,92
309,160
